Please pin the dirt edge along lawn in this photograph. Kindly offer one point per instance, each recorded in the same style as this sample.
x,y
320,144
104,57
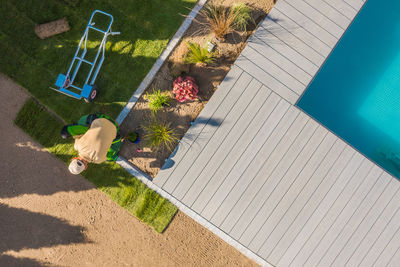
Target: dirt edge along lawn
x,y
179,115
126,190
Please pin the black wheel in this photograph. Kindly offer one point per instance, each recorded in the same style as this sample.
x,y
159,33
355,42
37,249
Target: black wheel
x,y
93,94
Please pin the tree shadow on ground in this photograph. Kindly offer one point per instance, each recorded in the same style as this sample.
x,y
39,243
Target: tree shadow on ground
x,y
40,172
21,229
10,261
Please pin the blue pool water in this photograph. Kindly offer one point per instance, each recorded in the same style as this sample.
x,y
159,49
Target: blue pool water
x,y
356,93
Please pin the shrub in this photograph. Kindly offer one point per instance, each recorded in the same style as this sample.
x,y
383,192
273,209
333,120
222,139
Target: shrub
x,y
220,19
185,88
198,54
157,100
159,135
242,15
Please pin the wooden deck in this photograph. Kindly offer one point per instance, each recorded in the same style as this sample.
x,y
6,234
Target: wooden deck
x,y
268,175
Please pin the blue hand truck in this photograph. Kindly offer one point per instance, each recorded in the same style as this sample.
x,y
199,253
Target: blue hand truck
x,y
65,82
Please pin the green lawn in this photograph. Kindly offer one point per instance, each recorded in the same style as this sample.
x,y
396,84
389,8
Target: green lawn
x,y
110,178
146,27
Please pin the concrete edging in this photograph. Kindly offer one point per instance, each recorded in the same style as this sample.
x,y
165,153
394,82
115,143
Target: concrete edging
x,y
145,179
160,61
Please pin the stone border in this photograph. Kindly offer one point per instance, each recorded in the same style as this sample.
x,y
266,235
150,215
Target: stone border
x,y
195,216
160,61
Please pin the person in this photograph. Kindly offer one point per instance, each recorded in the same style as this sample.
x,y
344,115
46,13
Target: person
x,y
97,140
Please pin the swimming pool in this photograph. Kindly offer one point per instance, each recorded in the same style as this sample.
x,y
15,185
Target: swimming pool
x,y
356,93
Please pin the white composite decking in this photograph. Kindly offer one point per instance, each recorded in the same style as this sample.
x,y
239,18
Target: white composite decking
x,y
268,175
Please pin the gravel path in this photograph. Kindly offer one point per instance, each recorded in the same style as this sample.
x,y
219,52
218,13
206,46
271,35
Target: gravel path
x,y
51,218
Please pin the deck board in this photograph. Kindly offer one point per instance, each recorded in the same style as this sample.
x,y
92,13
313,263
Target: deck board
x,y
207,132
291,190
331,13
342,7
317,17
245,190
213,174
294,202
187,179
288,126
261,106
318,31
356,230
296,36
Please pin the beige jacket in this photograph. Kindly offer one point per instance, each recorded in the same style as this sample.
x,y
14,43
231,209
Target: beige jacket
x,y
94,144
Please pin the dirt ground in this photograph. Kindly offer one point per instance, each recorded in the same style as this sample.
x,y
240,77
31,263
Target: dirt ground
x,y
180,115
51,218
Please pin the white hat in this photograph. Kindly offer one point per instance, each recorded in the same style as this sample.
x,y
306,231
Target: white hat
x,y
76,166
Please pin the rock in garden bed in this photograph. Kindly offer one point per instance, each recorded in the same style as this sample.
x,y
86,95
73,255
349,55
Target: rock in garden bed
x,y
178,116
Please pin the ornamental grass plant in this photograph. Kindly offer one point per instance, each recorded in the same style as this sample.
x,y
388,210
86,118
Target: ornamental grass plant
x,y
159,135
222,20
242,16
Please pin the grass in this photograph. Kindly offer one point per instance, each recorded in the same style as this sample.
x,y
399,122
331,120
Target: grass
x,y
126,190
145,26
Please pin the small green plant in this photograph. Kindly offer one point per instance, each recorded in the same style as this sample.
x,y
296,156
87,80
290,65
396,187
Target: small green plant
x,y
198,54
159,135
157,100
242,15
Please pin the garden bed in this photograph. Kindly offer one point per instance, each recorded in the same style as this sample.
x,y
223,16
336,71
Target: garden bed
x,y
180,115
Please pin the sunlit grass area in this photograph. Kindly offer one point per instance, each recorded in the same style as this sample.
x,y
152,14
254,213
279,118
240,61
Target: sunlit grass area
x,y
145,26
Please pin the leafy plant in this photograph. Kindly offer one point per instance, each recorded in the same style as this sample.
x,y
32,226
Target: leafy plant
x,y
198,54
220,19
159,135
157,100
242,15
185,88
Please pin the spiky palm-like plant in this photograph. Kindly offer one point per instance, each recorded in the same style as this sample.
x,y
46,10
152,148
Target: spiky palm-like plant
x,y
198,55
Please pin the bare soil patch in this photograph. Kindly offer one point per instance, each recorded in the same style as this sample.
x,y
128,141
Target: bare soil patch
x,y
180,115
